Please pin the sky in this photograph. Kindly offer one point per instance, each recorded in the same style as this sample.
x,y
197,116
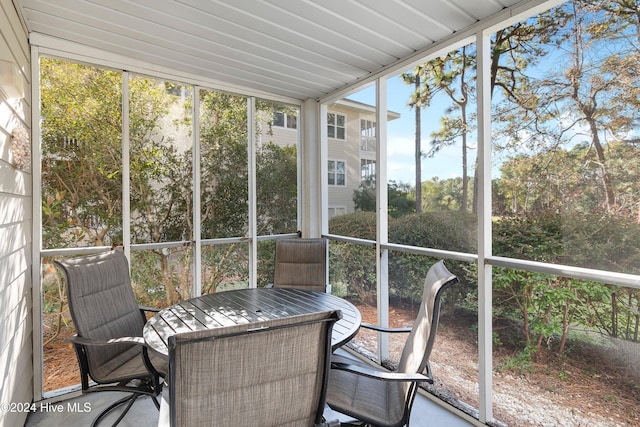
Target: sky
x,y
401,136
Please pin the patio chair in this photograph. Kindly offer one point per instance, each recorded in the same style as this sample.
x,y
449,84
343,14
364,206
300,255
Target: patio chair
x,y
271,373
301,264
108,341
382,398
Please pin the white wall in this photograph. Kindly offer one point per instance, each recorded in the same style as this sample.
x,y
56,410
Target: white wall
x,y
16,365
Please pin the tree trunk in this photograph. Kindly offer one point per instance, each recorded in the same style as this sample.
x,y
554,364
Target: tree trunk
x,y
465,179
418,154
606,178
476,184
637,325
170,293
614,316
565,328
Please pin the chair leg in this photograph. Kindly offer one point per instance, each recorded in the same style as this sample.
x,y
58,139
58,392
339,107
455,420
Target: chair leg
x,y
330,416
155,402
129,400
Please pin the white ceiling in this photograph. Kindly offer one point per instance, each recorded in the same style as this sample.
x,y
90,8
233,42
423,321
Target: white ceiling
x,y
294,48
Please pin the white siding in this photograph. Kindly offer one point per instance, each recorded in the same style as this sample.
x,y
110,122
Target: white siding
x,y
280,136
16,355
347,150
343,150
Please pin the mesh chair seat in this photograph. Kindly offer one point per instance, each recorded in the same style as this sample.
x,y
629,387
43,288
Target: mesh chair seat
x,y
128,366
366,393
382,398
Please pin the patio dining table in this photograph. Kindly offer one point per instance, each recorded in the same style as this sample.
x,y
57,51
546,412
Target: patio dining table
x,y
243,306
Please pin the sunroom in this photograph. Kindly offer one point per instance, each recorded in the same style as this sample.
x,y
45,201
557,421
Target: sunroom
x,y
194,134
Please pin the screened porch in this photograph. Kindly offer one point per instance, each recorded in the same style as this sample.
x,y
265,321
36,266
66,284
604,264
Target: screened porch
x,y
194,134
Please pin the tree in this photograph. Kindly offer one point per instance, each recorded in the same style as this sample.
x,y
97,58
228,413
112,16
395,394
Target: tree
x,y
442,194
161,184
587,89
399,202
81,155
82,173
224,162
277,191
415,102
592,93
450,75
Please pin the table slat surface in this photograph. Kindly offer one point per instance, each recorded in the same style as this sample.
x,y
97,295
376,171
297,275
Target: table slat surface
x,y
247,306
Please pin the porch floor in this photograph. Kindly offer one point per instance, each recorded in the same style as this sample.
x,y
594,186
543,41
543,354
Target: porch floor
x,y
81,410
144,413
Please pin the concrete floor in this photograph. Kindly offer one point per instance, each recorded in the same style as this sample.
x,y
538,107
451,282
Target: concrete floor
x,y
81,411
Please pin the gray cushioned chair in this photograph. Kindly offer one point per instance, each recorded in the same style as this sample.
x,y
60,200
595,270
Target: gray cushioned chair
x,y
271,373
108,341
301,264
382,398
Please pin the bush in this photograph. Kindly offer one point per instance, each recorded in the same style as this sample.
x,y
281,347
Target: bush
x,y
545,305
355,264
449,230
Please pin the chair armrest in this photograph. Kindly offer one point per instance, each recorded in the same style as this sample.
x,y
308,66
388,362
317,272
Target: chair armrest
x,y
384,329
78,342
92,342
144,310
381,375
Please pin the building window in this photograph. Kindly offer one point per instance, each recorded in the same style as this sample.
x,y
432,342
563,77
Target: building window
x,y
337,172
367,170
290,121
367,135
336,126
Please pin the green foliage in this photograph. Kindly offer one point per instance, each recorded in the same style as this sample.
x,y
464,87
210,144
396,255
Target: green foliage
x,y
567,181
361,225
446,194
364,198
224,147
398,195
82,175
266,262
450,230
277,189
546,307
519,363
356,264
400,202
535,237
224,266
147,279
352,264
81,151
549,306
608,241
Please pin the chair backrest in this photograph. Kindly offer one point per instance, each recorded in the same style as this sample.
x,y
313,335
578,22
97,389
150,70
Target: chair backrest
x,y
102,306
419,344
271,373
301,264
